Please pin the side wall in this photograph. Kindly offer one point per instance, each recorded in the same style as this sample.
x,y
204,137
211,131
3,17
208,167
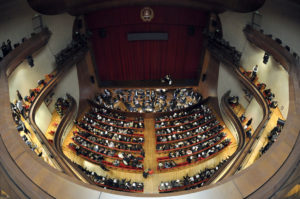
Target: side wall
x,y
17,24
271,73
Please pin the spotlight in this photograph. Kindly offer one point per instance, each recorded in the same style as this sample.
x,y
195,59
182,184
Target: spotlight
x,y
30,61
266,58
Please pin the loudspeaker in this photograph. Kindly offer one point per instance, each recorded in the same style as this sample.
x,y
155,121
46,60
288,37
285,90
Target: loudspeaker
x,y
92,79
288,48
266,58
102,33
278,41
295,55
20,128
214,23
191,30
79,24
280,122
203,77
30,60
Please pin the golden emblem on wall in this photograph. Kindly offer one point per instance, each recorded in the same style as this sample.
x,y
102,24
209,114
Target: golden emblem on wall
x,y
147,14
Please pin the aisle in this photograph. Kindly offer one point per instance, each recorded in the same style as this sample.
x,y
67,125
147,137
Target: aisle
x,y
150,161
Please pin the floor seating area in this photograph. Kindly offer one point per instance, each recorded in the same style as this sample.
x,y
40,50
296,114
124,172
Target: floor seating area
x,y
148,100
111,140
61,105
188,138
114,141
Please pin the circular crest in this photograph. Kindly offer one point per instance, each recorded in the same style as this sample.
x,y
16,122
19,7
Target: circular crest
x,y
147,14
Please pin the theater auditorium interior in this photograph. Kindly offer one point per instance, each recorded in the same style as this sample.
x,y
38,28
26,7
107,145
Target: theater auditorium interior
x,y
128,99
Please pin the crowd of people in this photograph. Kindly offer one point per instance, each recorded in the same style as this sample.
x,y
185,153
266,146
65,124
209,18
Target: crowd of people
x,y
182,114
275,132
61,105
110,139
75,46
111,143
228,52
148,100
195,115
188,131
113,183
7,47
190,182
96,114
105,155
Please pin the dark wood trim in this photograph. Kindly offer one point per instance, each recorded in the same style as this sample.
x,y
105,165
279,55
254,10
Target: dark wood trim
x,y
39,99
65,121
239,128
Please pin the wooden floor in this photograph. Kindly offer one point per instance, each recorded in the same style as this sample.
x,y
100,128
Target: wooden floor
x,y
33,139
152,182
55,120
263,140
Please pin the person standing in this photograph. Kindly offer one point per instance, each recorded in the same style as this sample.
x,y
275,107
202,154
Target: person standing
x,y
20,107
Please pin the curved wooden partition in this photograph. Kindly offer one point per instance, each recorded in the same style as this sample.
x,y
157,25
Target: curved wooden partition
x,y
51,7
240,130
266,111
28,47
258,95
61,128
39,99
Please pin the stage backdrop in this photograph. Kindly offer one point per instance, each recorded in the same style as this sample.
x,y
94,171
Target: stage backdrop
x,y
120,59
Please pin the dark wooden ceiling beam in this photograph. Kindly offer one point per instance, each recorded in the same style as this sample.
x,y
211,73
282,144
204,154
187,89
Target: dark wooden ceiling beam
x,y
78,7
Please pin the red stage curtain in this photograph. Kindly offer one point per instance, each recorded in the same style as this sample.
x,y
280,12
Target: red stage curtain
x,y
120,59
